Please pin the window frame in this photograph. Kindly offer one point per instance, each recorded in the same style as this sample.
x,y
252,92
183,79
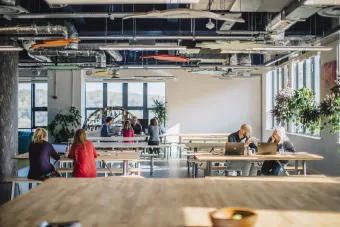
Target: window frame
x,y
125,103
35,109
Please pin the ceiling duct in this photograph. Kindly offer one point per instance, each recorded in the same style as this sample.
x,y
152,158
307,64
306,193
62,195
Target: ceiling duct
x,y
115,55
37,30
72,34
39,58
321,2
233,59
244,59
84,2
278,26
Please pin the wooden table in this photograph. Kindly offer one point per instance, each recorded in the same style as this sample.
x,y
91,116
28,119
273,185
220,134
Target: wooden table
x,y
303,157
125,159
118,201
115,139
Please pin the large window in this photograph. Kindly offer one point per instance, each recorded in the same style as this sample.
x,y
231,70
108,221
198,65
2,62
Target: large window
x,y
305,73
137,98
32,106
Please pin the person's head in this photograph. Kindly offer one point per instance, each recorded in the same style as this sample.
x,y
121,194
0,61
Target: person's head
x,y
154,121
134,120
127,125
279,134
108,120
79,137
40,135
245,130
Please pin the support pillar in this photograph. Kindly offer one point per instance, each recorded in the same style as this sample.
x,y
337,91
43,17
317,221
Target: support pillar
x,y
8,120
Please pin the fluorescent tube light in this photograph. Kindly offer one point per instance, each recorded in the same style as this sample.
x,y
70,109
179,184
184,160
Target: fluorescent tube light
x,y
293,48
84,2
10,48
141,47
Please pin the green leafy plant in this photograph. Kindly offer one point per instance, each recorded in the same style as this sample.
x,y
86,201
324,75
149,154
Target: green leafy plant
x,y
281,109
330,109
160,110
63,126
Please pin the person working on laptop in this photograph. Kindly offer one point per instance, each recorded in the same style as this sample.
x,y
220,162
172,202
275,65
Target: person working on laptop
x,y
243,136
274,168
106,128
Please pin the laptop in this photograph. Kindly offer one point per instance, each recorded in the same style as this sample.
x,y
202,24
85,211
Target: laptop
x,y
234,149
266,148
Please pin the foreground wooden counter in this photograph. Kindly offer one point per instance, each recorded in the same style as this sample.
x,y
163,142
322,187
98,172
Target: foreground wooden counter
x,y
117,201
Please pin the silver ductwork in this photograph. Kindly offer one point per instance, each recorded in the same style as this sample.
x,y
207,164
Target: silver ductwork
x,y
37,30
39,58
7,2
115,55
100,55
321,2
72,34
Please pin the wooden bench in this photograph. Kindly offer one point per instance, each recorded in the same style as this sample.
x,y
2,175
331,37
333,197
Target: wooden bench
x,y
106,171
17,180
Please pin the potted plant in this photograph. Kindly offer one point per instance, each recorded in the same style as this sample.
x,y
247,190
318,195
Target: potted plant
x,y
63,126
160,111
281,110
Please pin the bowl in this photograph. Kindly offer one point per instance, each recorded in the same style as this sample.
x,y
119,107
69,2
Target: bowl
x,y
233,217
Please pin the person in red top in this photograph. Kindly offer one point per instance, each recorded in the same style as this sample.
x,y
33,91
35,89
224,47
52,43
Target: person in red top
x,y
127,131
83,154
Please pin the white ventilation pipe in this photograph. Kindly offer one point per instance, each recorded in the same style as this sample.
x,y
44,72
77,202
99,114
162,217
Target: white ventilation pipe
x,y
115,55
321,2
84,2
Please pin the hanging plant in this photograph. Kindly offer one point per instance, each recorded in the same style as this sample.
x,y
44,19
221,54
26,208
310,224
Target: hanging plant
x,y
330,108
303,99
311,119
282,111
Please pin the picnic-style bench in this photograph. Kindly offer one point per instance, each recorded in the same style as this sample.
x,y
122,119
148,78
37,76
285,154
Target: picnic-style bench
x,y
106,171
17,180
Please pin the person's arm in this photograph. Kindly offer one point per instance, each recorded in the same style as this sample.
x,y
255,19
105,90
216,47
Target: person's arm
x,y
232,139
270,140
133,133
140,128
71,154
54,153
288,147
253,147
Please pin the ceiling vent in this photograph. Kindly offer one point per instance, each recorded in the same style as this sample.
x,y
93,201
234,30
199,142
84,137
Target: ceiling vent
x,y
330,12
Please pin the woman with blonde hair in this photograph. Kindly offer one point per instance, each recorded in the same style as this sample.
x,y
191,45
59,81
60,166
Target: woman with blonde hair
x,y
83,154
283,144
40,151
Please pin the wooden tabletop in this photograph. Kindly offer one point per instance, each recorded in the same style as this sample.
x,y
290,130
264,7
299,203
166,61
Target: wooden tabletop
x,y
205,145
205,139
123,157
197,134
115,138
221,158
116,201
128,145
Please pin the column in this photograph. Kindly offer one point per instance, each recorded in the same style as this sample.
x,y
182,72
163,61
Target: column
x,y
8,119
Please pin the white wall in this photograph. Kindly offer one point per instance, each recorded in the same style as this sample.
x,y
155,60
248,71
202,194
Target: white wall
x,y
68,90
201,104
327,145
196,103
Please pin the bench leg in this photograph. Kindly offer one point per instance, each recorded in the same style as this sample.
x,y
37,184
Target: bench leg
x,y
151,166
296,167
304,166
138,166
13,190
188,165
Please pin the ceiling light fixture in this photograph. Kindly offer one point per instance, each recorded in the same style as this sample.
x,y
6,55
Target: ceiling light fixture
x,y
141,47
210,25
10,48
293,48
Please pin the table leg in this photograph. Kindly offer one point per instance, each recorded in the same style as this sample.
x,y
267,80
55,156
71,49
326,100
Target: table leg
x,y
170,149
13,190
304,166
296,167
207,171
151,166
193,170
138,166
180,142
125,167
167,153
188,164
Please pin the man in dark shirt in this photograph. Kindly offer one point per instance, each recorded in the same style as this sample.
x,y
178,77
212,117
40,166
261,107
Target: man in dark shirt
x,y
136,126
243,136
106,128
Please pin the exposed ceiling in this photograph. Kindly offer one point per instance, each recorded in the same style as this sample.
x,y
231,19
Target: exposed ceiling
x,y
208,34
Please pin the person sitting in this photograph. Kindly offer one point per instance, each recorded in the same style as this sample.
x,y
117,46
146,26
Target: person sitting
x,y
274,168
127,131
40,151
243,136
83,154
154,133
106,128
136,126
